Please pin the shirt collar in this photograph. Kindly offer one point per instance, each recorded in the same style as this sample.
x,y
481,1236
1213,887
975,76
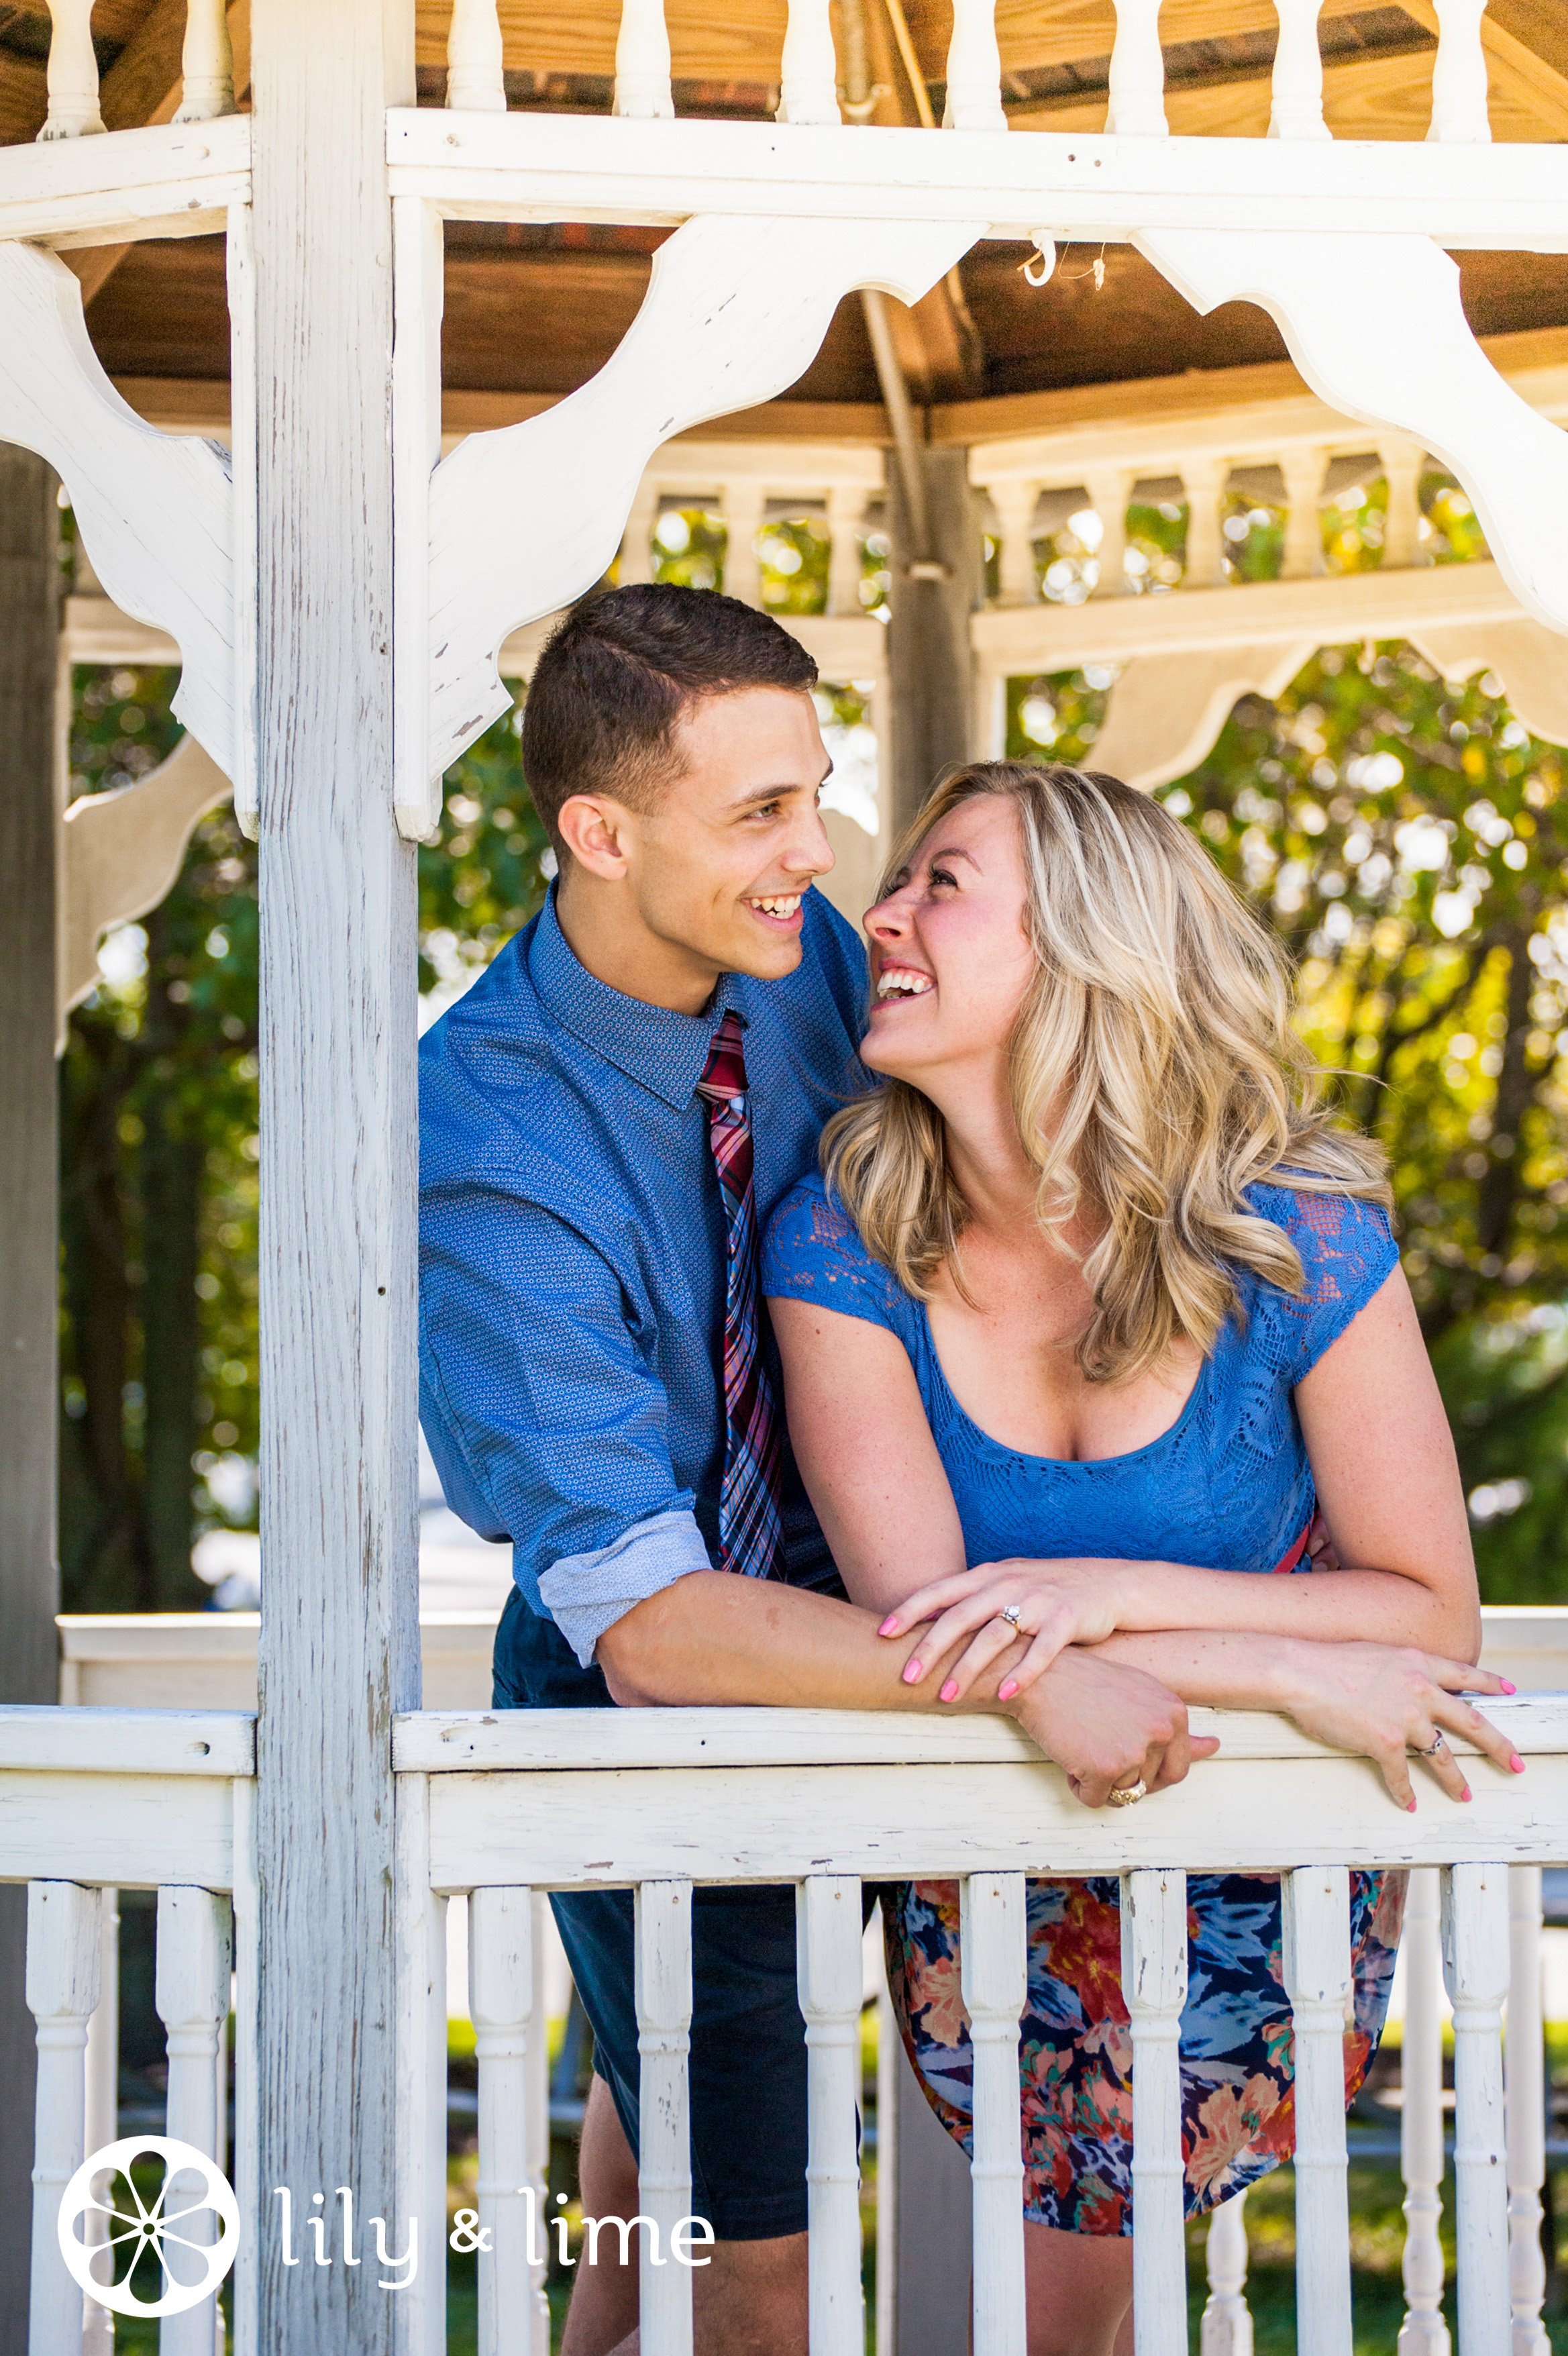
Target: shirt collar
x,y
662,1050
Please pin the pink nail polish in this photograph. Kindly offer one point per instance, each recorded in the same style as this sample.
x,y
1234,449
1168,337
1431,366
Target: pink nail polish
x,y
950,1690
1006,1689
1465,1795
1410,1806
890,1627
1516,1764
911,1672
1508,1688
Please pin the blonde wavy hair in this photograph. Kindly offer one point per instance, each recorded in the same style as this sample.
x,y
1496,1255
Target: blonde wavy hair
x,y
1156,1076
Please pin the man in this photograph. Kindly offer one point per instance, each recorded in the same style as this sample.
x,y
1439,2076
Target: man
x,y
607,1118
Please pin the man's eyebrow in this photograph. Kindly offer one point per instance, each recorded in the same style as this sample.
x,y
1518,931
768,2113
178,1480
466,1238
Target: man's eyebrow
x,y
772,793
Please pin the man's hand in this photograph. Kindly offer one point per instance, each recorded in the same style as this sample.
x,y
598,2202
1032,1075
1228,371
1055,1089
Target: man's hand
x,y
1105,1725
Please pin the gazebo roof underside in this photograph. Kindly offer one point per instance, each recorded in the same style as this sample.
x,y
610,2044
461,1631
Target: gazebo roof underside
x,y
532,312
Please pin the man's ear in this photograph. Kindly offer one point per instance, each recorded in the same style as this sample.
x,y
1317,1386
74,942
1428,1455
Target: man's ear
x,y
596,831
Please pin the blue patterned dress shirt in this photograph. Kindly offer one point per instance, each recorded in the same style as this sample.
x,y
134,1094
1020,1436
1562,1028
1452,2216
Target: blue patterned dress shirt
x,y
572,1257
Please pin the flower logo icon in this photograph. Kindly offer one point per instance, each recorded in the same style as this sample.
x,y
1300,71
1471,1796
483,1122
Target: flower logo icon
x,y
190,2225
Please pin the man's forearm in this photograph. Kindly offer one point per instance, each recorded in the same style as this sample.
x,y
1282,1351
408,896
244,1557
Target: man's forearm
x,y
713,1638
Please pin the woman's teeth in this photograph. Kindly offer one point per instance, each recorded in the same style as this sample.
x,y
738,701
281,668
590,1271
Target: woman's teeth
x,y
781,904
901,981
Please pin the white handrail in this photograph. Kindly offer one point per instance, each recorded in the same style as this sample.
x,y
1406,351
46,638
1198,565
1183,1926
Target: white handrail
x,y
1317,1981
72,72
828,1953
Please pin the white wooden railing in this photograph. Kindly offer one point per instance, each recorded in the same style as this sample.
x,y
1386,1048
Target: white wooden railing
x,y
207,67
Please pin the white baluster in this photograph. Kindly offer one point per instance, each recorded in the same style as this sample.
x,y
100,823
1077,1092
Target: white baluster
x,y
1316,1960
1203,481
1109,492
1403,464
1137,73
243,2282
828,1965
65,1930
103,2103
421,1915
845,527
993,1931
973,69
539,2128
1297,112
1424,2332
1459,74
664,2176
1526,2106
890,2055
1303,470
1476,1966
742,506
1154,1982
636,559
1227,2319
501,1999
1015,499
191,1992
808,71
476,77
642,62
72,72
207,63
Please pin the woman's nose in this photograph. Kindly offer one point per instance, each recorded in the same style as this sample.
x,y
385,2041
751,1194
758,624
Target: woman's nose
x,y
889,920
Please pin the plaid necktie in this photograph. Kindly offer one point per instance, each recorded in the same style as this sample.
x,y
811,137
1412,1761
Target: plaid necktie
x,y
751,1519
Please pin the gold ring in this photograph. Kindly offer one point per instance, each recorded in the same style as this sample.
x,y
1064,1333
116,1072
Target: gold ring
x,y
1126,1796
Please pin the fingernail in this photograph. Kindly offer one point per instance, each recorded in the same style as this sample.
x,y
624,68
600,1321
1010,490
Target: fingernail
x,y
1516,1764
890,1627
1507,1688
950,1690
1410,1806
911,1672
1465,1793
1006,1689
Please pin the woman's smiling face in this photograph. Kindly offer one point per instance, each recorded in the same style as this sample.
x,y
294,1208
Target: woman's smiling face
x,y
951,962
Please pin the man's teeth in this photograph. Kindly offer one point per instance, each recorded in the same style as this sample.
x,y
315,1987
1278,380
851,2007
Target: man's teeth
x,y
900,981
779,904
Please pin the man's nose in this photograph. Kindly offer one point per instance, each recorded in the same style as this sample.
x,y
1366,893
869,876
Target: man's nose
x,y
809,852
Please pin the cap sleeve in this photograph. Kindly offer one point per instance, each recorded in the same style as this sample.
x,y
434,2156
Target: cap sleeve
x,y
813,1251
1348,1253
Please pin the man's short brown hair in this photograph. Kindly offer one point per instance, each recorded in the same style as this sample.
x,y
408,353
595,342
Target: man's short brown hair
x,y
613,682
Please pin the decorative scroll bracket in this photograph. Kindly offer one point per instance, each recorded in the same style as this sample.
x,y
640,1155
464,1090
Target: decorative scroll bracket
x,y
155,510
1376,326
525,518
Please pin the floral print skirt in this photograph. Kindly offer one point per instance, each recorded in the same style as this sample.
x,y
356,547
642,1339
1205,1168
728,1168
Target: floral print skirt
x,y
1238,2113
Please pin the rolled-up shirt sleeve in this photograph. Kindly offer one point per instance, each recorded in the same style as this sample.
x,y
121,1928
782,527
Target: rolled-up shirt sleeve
x,y
546,1424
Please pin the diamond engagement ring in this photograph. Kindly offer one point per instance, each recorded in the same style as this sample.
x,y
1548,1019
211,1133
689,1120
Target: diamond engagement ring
x,y
1011,1612
1125,1794
1434,1746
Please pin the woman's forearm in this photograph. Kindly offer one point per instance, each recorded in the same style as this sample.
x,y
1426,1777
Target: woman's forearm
x,y
1212,1668
1380,1607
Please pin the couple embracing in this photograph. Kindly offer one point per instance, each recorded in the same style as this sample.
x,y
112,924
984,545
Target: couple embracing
x,y
956,1335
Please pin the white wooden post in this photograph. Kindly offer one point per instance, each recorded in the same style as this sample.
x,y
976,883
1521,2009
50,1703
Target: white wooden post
x,y
743,505
65,1928
340,1635
637,558
846,523
1137,73
829,1968
1154,1982
1459,74
809,72
973,69
1203,480
245,2278
664,2173
642,62
1297,112
72,72
420,279
537,2101
1423,2331
102,2100
1227,2319
1015,499
240,269
1526,2108
1476,1965
1304,467
418,2313
207,63
501,1998
476,76
191,1993
1403,462
1318,1980
1109,489
992,1938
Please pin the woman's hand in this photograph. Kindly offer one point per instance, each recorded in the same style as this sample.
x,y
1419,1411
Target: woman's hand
x,y
1106,1725
1057,1605
1390,1704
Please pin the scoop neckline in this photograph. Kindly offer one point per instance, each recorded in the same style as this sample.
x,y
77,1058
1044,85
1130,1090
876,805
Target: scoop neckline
x,y
1059,1463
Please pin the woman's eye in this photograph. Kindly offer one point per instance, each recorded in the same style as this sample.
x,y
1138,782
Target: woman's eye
x,y
941,875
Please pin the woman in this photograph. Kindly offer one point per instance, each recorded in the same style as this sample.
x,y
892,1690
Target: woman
x,y
1092,1309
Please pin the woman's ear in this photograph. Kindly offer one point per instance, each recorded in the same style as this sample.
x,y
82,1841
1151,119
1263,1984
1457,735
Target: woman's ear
x,y
594,829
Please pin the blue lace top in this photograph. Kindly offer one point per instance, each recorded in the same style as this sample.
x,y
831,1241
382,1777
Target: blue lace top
x,y
1228,1487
